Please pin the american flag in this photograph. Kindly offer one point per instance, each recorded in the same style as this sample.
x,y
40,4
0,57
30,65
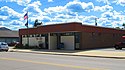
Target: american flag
x,y
25,16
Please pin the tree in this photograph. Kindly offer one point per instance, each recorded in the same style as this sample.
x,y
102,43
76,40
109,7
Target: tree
x,y
35,23
123,25
39,23
117,27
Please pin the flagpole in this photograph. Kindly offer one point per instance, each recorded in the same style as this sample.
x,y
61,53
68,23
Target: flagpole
x,y
27,30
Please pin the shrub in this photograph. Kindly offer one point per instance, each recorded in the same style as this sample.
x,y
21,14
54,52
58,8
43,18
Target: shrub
x,y
18,45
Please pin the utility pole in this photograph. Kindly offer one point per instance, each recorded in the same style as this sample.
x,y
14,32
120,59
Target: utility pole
x,y
96,21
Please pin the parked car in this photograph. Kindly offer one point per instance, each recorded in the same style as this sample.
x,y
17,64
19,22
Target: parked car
x,y
4,46
120,45
12,43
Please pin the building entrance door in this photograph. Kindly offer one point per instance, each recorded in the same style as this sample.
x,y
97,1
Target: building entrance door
x,y
52,41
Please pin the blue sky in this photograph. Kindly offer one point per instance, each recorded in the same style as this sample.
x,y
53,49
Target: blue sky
x,y
110,13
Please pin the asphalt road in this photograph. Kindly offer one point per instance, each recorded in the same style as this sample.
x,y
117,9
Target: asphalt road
x,y
30,61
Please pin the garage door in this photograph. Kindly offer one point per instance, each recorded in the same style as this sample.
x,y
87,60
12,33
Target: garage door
x,y
68,42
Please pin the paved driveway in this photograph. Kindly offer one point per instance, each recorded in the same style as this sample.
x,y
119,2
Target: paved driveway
x,y
111,50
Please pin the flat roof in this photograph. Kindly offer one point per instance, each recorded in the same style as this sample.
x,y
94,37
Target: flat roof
x,y
68,27
8,33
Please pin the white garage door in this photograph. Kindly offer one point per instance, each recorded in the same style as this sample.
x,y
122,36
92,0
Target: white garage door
x,y
68,42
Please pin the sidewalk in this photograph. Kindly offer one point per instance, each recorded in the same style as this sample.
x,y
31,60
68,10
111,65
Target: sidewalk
x,y
116,54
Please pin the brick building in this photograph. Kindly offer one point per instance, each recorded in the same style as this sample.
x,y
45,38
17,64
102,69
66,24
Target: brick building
x,y
73,35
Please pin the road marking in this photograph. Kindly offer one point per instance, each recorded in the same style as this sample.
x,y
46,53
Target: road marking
x,y
54,64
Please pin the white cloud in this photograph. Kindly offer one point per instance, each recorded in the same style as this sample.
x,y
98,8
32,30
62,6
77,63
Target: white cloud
x,y
104,1
74,6
33,7
121,2
62,18
16,24
22,2
19,2
55,9
73,11
69,13
3,18
1,23
34,11
9,12
90,20
115,23
50,0
108,15
111,19
103,8
11,18
13,23
117,15
79,6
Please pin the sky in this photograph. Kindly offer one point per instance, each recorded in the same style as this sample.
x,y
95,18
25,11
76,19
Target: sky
x,y
109,13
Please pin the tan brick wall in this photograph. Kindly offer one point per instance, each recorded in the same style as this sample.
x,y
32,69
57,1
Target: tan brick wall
x,y
98,40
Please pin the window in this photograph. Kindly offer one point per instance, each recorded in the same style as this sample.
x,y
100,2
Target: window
x,y
37,35
27,35
42,35
77,37
53,34
67,34
23,36
33,35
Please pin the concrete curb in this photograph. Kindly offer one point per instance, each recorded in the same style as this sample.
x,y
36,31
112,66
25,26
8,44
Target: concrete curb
x,y
68,54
